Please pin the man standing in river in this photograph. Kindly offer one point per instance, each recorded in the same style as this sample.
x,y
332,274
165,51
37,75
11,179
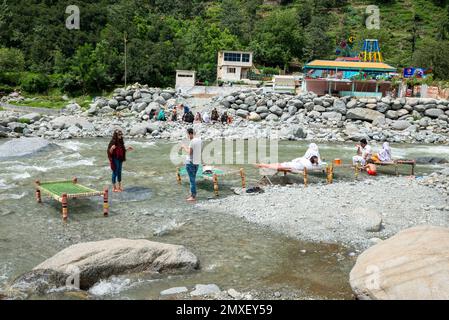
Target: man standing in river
x,y
193,160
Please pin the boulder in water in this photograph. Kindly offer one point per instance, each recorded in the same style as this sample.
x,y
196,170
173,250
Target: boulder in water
x,y
22,147
102,259
412,265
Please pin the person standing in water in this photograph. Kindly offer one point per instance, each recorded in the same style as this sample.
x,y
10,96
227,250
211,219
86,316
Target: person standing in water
x,y
193,160
117,155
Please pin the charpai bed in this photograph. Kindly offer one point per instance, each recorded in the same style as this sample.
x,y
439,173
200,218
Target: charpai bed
x,y
211,174
62,191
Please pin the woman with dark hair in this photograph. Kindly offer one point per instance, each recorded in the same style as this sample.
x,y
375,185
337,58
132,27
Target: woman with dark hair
x,y
117,155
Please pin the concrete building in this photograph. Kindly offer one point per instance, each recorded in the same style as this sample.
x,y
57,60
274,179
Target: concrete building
x,y
185,78
234,65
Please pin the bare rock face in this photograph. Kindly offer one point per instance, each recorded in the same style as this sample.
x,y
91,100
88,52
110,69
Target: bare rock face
x,y
101,259
412,265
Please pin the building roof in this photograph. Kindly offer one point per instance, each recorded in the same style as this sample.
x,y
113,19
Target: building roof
x,y
350,65
233,51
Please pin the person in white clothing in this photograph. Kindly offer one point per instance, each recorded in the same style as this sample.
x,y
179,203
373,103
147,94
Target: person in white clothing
x,y
297,164
313,151
384,155
206,117
193,160
363,153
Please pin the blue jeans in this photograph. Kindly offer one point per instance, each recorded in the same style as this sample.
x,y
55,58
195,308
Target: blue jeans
x,y
117,173
192,169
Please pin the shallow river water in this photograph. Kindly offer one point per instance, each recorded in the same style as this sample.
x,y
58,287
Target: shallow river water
x,y
233,253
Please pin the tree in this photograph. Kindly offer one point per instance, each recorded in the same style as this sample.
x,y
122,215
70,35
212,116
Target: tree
x,y
11,59
278,38
433,54
317,42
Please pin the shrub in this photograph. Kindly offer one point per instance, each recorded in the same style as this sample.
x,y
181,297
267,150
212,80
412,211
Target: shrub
x,y
10,78
11,60
35,83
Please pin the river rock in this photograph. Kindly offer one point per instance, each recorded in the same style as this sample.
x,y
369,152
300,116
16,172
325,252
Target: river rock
x,y
17,127
332,116
102,259
205,289
31,117
138,129
276,110
412,265
400,125
38,282
363,114
22,147
271,117
176,290
72,108
242,113
339,106
369,219
433,113
253,116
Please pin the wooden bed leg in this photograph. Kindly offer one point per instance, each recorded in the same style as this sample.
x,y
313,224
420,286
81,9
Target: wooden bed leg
x,y
215,179
305,177
106,202
38,192
329,171
178,176
357,171
242,175
413,169
65,211
396,169
75,180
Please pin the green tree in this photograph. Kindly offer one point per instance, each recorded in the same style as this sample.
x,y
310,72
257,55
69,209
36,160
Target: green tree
x,y
11,59
317,45
433,54
278,38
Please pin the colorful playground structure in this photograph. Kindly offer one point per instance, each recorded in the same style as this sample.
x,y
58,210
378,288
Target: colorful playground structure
x,y
62,191
371,51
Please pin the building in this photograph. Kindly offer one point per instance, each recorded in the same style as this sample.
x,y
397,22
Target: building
x,y
284,84
234,65
185,78
348,78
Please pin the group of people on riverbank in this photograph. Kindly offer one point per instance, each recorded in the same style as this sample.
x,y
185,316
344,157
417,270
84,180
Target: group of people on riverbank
x,y
184,113
311,159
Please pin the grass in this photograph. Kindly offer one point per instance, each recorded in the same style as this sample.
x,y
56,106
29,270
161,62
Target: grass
x,y
52,101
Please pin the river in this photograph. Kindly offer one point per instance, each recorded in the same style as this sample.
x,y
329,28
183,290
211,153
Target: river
x,y
233,253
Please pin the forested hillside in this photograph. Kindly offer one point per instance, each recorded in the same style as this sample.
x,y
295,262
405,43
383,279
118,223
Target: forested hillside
x,y
38,51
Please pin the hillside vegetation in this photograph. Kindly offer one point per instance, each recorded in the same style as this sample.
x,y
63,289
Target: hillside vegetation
x,y
38,52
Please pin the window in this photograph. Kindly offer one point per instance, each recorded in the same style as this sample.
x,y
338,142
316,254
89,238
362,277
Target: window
x,y
245,57
231,70
232,57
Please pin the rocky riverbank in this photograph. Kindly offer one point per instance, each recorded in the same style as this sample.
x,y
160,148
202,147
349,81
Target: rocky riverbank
x,y
256,115
356,214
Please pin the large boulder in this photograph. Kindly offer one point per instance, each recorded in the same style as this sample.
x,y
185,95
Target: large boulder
x,y
400,125
363,114
412,265
65,122
339,106
31,117
101,259
138,129
22,147
433,113
276,110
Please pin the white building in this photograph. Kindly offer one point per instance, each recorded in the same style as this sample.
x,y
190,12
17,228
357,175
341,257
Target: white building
x,y
234,65
185,78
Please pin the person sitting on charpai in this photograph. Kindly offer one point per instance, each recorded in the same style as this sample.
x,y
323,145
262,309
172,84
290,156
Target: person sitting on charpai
x,y
384,155
297,164
363,153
